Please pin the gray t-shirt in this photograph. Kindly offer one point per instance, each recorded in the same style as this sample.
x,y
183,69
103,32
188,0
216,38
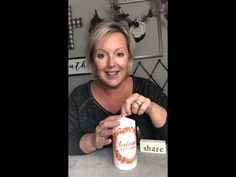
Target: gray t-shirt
x,y
85,113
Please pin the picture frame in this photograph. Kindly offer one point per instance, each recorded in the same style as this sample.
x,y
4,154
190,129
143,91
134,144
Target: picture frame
x,y
78,66
129,1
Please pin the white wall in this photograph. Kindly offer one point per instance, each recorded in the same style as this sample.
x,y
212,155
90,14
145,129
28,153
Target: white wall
x,y
148,46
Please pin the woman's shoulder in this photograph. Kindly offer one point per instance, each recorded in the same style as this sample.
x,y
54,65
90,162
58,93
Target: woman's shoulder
x,y
82,89
140,82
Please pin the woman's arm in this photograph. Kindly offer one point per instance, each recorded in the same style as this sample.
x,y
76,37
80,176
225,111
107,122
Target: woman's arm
x,y
75,132
157,114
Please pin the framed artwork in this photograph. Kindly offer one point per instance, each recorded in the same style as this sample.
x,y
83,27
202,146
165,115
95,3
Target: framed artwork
x,y
78,66
129,1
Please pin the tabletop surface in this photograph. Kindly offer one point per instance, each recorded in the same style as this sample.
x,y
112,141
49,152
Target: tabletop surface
x,y
100,164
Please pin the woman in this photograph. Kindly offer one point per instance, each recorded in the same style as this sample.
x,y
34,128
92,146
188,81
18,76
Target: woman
x,y
95,107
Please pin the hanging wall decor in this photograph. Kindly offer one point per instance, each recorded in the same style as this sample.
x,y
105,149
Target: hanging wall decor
x,y
72,23
94,21
137,26
77,66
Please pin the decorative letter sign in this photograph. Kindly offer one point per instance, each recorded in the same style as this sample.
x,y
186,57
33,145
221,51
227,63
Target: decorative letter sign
x,y
72,23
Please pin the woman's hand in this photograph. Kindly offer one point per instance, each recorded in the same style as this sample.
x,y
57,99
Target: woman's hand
x,y
104,130
136,104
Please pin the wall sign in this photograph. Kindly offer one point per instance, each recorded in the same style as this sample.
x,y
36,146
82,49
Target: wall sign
x,y
72,23
78,65
129,1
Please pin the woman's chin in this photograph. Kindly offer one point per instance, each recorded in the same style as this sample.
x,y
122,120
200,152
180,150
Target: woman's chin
x,y
112,81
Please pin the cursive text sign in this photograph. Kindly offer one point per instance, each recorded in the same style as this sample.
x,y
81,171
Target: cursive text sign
x,y
78,66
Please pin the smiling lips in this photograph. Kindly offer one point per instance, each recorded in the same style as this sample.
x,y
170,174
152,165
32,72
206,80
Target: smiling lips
x,y
111,72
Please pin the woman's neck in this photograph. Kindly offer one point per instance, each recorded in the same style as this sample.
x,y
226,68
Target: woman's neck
x,y
115,92
111,99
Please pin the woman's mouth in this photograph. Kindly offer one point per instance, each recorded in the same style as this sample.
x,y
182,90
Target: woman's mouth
x,y
111,72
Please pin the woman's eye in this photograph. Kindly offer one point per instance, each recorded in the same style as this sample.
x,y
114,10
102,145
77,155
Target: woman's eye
x,y
120,54
100,55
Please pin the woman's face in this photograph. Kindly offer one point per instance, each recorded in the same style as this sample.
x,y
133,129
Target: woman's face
x,y
112,59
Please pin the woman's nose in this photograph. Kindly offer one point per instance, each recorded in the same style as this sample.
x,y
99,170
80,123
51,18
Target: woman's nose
x,y
111,61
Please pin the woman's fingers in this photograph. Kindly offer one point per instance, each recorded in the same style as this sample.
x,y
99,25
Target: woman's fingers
x,y
110,122
106,133
144,107
135,107
105,129
135,104
102,141
126,107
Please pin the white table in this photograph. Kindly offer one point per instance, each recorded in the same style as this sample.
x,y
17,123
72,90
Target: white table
x,y
100,164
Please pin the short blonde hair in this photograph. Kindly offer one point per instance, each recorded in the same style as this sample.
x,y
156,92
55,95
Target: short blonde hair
x,y
104,28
